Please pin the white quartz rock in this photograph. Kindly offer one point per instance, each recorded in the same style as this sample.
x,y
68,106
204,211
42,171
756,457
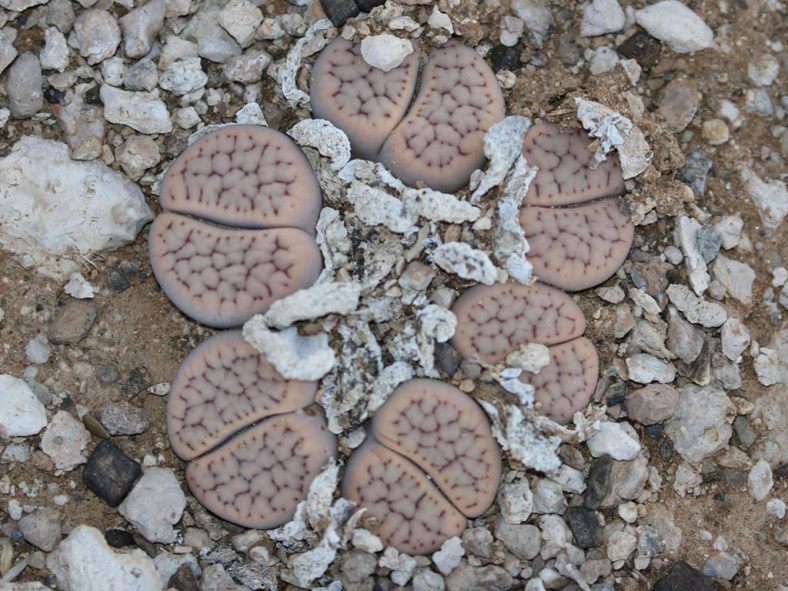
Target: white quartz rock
x,y
619,440
675,24
385,51
143,111
601,17
85,562
154,520
615,131
96,35
465,261
64,210
294,356
771,198
21,413
313,302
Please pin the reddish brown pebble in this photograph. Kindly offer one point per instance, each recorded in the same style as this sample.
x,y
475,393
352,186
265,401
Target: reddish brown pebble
x,y
495,320
244,175
566,175
446,434
257,478
441,140
565,385
223,386
223,277
365,102
577,248
412,514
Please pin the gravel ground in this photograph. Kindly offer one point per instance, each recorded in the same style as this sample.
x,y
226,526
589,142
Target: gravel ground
x,y
675,478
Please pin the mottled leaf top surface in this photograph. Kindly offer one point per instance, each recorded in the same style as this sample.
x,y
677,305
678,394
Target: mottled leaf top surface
x,y
365,102
223,386
565,385
445,433
441,140
223,277
257,478
244,175
413,515
566,176
495,320
580,247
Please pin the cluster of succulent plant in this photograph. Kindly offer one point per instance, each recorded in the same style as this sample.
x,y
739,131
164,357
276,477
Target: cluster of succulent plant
x,y
255,440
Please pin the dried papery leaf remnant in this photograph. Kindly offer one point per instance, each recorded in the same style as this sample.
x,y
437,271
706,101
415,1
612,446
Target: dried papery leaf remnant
x,y
365,102
444,432
566,384
244,175
577,248
222,277
493,321
258,477
565,174
441,140
412,514
223,386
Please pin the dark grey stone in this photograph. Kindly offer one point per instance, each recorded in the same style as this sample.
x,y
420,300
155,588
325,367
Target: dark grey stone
x,y
585,526
109,473
338,11
709,242
682,577
505,58
71,322
598,482
367,5
695,171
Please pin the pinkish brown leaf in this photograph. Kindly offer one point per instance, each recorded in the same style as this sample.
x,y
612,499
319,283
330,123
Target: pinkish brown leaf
x,y
413,516
566,176
446,434
580,247
257,478
565,385
365,102
223,386
222,277
244,175
495,320
441,140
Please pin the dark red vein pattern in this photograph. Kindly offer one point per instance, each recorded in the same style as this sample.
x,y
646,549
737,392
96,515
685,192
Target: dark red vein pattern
x,y
445,433
222,277
223,386
441,140
365,102
565,385
412,515
565,175
495,320
244,175
577,248
258,478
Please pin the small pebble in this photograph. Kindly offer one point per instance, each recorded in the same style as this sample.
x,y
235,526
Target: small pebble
x,y
109,473
760,481
715,132
24,86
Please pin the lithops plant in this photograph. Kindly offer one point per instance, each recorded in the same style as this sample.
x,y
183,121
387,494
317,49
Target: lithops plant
x,y
578,237
430,462
573,248
241,175
494,321
253,442
439,139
